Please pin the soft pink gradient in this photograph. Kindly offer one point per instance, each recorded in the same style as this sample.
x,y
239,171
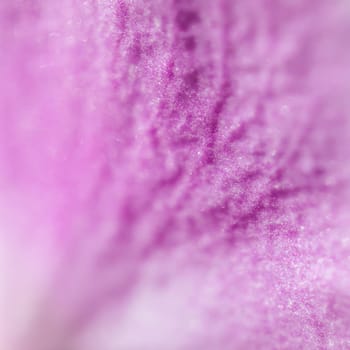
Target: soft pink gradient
x,y
174,175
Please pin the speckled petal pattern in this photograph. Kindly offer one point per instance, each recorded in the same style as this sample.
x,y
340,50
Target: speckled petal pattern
x,y
174,174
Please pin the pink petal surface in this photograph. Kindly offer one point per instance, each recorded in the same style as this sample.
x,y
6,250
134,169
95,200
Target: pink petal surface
x,y
174,175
